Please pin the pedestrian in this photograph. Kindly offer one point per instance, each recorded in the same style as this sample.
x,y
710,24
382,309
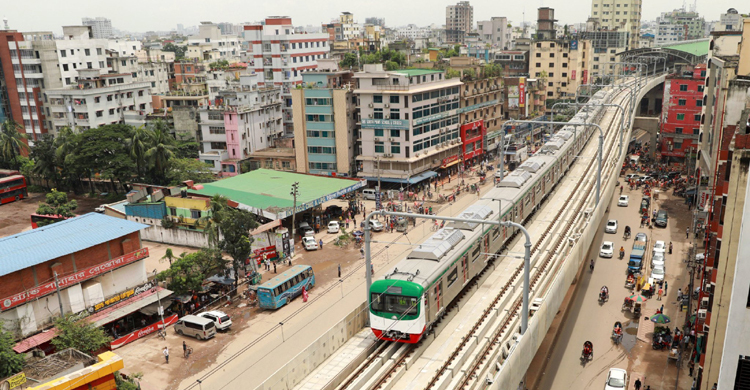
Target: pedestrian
x,y
362,252
638,384
687,232
339,270
321,243
274,267
665,287
166,354
679,294
661,292
670,247
372,269
184,348
662,309
691,367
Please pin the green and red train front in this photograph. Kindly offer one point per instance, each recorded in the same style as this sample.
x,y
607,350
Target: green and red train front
x,y
397,311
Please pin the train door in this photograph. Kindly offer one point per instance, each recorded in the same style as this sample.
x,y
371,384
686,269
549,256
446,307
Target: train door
x,y
519,209
465,267
544,181
438,296
533,195
505,229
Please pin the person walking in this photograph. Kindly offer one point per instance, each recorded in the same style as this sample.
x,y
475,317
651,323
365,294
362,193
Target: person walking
x,y
184,349
661,292
166,354
670,247
691,367
339,270
638,384
665,287
362,252
321,243
687,232
679,294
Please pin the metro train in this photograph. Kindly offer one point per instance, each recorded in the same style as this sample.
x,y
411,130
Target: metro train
x,y
408,300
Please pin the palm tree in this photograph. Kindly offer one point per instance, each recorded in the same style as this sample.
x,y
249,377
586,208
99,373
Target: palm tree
x,y
138,145
13,142
212,219
66,144
162,148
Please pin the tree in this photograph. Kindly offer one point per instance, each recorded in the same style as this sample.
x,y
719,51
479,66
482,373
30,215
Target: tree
x,y
66,143
131,382
104,150
391,65
235,226
138,144
469,73
169,255
79,334
349,61
45,160
186,147
212,220
181,169
161,150
56,204
451,73
179,51
220,64
188,272
13,143
10,361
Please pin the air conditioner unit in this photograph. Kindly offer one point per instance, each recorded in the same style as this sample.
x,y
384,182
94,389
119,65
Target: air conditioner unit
x,y
387,155
391,139
704,303
475,90
387,117
387,105
702,314
466,93
370,116
377,139
416,154
370,105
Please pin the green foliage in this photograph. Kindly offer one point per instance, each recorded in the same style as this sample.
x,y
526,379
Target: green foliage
x,y
167,223
469,73
188,272
161,150
79,334
391,65
104,150
128,383
220,64
45,159
186,147
56,204
179,51
492,70
235,226
349,61
384,56
181,169
451,73
13,143
10,362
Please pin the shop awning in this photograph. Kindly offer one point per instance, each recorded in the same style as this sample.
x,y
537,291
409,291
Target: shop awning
x,y
266,227
151,309
411,180
35,340
227,281
185,298
450,164
126,307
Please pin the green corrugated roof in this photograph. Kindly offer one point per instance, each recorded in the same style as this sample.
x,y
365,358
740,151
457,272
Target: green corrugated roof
x,y
694,48
266,188
416,72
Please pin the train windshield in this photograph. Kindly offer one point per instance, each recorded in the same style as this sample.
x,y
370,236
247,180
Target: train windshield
x,y
397,304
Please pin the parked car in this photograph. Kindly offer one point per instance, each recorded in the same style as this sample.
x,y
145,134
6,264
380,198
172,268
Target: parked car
x,y
617,379
220,319
333,227
376,225
607,249
643,179
194,326
661,218
658,273
660,247
632,176
658,260
645,202
642,237
305,230
309,243
623,201
611,226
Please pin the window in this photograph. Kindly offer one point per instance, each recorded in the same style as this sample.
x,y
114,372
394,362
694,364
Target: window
x,y
682,102
377,98
219,145
564,74
395,133
538,55
63,53
680,117
379,132
551,64
216,130
678,130
99,50
394,99
378,113
379,147
87,52
395,113
65,67
538,64
683,87
699,103
195,214
395,147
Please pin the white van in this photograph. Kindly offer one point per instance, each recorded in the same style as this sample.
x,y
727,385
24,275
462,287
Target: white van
x,y
369,194
194,326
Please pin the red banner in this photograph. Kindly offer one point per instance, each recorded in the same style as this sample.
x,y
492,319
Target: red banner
x,y
521,91
142,332
573,75
585,77
72,279
449,160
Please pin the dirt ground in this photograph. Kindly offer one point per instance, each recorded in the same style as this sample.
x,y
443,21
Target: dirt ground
x,y
15,216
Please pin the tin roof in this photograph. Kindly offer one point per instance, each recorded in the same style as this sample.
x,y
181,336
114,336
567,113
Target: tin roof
x,y
37,246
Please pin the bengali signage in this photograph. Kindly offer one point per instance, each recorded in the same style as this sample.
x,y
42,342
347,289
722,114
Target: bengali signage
x,y
72,279
513,96
478,106
122,296
334,195
434,117
127,339
401,124
13,382
703,199
521,92
449,160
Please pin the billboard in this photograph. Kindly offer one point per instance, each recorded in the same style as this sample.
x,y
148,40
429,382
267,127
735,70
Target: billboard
x,y
513,95
521,92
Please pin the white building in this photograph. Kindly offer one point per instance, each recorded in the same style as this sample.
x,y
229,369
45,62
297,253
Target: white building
x,y
210,45
413,32
409,123
155,73
124,47
495,32
730,21
620,15
349,29
98,99
79,50
101,27
280,56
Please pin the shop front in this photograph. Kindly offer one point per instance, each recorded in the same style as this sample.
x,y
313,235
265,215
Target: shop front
x,y
472,138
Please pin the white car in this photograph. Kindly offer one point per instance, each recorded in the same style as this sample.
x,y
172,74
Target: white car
x,y
660,247
658,273
376,225
309,243
623,201
607,249
220,319
658,260
617,379
611,226
333,227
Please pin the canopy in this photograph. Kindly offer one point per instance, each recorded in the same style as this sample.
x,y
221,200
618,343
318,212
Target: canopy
x,y
225,280
411,180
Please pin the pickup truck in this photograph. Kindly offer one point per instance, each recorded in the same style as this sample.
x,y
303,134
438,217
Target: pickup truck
x,y
636,257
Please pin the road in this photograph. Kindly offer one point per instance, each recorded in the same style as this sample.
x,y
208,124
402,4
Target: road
x,y
587,319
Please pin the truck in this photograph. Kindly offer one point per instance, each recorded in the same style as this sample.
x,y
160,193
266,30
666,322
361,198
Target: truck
x,y
636,257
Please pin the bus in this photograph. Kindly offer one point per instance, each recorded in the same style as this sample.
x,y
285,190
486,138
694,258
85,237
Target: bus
x,y
282,289
36,218
12,188
8,172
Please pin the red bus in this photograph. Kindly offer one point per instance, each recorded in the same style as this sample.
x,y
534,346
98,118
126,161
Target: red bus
x,y
12,188
35,218
8,172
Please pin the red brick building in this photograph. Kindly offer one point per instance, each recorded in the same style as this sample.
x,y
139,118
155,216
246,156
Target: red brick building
x,y
681,113
90,258
472,136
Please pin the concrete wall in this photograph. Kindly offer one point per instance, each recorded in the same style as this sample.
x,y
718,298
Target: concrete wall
x,y
184,237
300,366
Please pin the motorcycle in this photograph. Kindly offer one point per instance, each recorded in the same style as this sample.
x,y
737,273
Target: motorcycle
x,y
622,255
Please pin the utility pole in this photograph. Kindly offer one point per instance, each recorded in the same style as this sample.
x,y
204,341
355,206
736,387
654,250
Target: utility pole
x,y
294,193
59,297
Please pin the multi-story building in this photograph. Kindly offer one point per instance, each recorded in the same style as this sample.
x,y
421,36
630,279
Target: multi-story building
x,y
679,25
495,31
681,113
481,95
409,123
646,40
619,15
100,27
730,21
211,45
605,45
459,21
562,64
125,48
349,28
247,120
98,99
324,122
412,31
513,62
545,24
155,54
79,50
155,73
523,97
280,56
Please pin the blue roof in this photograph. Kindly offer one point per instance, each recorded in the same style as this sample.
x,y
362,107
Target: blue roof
x,y
62,238
288,274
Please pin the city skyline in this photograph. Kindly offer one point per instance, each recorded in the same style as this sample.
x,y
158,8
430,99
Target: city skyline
x,y
161,17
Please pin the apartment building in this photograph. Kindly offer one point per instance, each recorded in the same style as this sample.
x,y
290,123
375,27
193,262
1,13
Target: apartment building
x,y
98,99
562,64
681,113
412,31
349,28
606,45
324,121
481,95
248,119
459,21
513,62
409,123
211,45
155,73
496,32
523,97
280,56
619,15
729,21
678,25
100,27
124,47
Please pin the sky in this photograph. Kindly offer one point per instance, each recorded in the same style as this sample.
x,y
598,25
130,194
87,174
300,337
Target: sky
x,y
145,15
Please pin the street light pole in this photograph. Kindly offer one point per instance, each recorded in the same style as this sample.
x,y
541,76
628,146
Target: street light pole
x,y
294,193
527,251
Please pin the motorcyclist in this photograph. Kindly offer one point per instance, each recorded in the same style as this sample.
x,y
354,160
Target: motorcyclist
x,y
622,252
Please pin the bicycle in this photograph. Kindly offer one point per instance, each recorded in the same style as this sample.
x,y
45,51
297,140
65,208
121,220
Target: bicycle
x,y
162,333
188,351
